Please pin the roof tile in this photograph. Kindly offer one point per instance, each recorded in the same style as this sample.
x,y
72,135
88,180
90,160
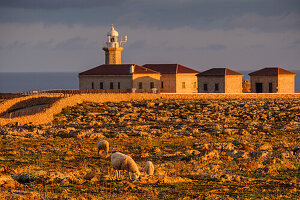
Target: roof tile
x,y
219,72
271,71
120,69
170,68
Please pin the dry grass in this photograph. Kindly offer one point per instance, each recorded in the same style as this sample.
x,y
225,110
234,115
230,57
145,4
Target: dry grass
x,y
47,116
192,144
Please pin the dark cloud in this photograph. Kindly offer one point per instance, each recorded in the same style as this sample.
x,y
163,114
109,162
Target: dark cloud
x,y
73,44
58,4
44,45
63,34
166,14
15,45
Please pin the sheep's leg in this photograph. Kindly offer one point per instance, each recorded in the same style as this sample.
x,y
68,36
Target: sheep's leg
x,y
121,174
129,173
117,174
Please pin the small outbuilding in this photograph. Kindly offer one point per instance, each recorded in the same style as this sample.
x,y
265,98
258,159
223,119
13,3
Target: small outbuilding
x,y
272,80
220,80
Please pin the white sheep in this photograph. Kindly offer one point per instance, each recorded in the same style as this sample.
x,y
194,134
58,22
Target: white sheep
x,y
149,168
120,162
103,146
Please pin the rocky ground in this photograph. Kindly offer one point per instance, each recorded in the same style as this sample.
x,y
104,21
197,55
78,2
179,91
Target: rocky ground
x,y
201,149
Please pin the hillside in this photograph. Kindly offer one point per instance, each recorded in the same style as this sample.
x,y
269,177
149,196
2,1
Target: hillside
x,y
201,148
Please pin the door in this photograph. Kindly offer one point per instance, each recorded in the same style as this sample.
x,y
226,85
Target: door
x,y
258,87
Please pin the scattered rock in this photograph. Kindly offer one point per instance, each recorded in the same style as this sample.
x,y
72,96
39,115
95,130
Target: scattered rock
x,y
211,155
265,147
7,182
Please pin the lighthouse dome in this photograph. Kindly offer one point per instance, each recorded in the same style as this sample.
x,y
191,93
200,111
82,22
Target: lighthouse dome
x,y
113,32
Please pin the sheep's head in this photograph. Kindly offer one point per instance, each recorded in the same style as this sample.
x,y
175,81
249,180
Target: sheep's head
x,y
136,175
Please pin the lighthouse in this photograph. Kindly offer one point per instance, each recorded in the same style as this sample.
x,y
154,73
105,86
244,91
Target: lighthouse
x,y
113,47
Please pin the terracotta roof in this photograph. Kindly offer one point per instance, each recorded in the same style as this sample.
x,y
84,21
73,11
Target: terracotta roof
x,y
271,71
143,70
219,72
121,69
170,68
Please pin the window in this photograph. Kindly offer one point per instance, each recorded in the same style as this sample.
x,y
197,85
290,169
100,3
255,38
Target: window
x,y
270,87
162,84
195,84
101,85
111,85
205,87
183,84
151,85
92,85
140,85
119,85
217,87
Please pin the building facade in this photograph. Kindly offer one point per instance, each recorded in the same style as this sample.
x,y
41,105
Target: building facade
x,y
272,80
120,77
220,80
176,78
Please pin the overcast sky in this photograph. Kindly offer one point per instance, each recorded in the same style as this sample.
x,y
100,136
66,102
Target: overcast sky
x,y
67,35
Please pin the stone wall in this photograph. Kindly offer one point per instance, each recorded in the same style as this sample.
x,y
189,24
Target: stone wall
x,y
233,84
211,81
265,80
286,83
186,83
169,83
145,80
85,82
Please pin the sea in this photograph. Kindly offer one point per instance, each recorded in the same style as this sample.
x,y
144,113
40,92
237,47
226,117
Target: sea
x,y
16,82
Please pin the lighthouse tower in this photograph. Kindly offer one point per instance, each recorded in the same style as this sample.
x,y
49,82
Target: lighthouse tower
x,y
113,47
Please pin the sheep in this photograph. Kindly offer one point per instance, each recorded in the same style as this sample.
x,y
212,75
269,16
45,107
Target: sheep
x,y
120,162
149,168
103,146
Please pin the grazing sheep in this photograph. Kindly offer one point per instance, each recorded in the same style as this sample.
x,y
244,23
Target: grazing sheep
x,y
120,162
103,146
149,168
